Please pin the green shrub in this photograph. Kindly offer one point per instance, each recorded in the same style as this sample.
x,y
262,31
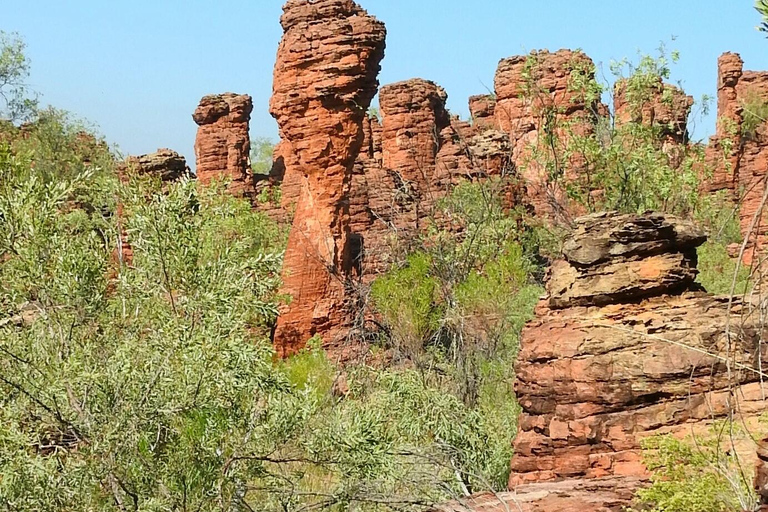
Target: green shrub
x,y
693,476
754,114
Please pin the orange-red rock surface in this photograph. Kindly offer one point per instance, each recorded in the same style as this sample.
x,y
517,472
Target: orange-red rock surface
x,y
534,94
325,77
223,145
625,347
663,106
740,159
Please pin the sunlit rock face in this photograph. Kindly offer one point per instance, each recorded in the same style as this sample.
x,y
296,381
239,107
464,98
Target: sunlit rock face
x,y
325,77
626,346
223,145
739,156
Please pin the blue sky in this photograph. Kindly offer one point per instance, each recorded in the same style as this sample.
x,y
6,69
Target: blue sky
x,y
137,68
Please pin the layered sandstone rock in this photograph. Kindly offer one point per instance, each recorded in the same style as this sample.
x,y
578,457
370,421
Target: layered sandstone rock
x,y
740,159
325,77
165,163
625,347
661,105
534,94
223,145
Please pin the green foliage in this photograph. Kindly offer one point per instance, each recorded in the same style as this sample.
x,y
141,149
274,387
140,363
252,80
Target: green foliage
x,y
762,8
754,114
717,267
15,103
453,312
262,152
407,297
310,371
692,476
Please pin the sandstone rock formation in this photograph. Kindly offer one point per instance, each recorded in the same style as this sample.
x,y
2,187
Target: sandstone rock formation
x,y
625,347
739,158
223,145
410,162
165,163
325,77
663,106
535,94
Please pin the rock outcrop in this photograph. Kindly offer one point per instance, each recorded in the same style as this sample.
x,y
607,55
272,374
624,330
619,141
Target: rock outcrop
x,y
325,77
626,346
411,161
738,152
534,94
661,105
223,145
165,163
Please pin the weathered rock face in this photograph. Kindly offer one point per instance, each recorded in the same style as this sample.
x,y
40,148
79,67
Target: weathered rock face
x,y
740,159
325,78
411,161
535,93
165,163
223,145
664,106
624,347
482,109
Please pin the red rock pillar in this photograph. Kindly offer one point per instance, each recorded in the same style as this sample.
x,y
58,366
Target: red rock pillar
x,y
223,146
325,78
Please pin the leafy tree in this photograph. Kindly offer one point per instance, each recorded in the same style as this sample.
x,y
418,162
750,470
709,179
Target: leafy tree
x,y
762,8
15,103
262,150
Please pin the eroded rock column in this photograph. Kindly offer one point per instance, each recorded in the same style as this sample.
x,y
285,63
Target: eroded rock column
x,y
325,77
223,145
627,346
536,95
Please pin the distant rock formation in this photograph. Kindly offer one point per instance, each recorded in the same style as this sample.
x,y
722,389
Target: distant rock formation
x,y
165,163
325,77
663,106
624,347
740,158
535,93
223,145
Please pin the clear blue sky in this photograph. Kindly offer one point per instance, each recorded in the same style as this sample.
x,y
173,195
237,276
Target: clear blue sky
x,y
137,68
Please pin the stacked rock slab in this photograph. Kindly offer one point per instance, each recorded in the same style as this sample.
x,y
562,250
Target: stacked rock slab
x,y
626,347
325,77
740,159
223,146
165,163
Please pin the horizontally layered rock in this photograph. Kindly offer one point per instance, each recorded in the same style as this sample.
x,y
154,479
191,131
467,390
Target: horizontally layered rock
x,y
625,347
165,163
536,93
740,159
325,77
223,145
